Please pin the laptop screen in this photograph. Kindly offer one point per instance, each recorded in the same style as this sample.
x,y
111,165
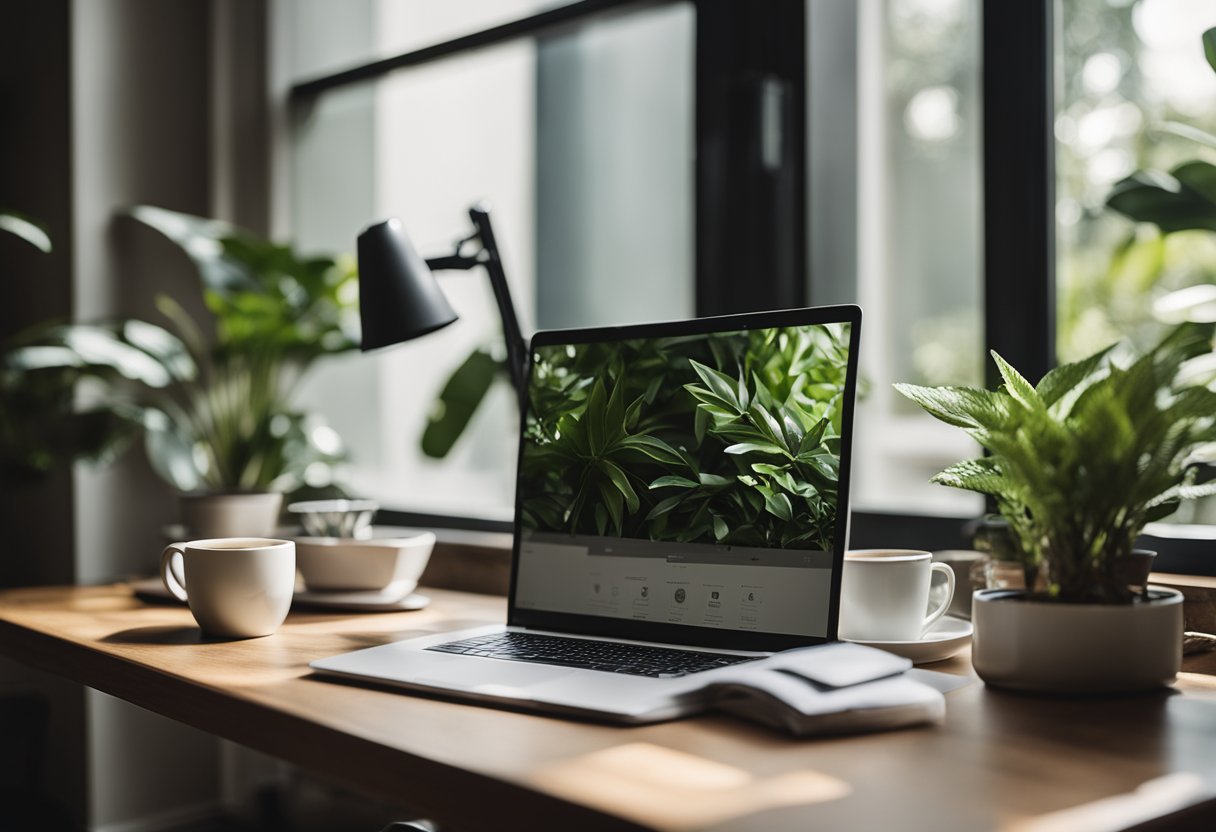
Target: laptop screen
x,y
688,482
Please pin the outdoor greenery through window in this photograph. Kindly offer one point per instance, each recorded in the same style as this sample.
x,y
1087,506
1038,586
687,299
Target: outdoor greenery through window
x,y
1134,89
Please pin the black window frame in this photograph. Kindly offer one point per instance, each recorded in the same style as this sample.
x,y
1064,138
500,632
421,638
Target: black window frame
x,y
751,206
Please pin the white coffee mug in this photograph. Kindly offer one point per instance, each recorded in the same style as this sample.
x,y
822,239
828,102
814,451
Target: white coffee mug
x,y
884,594
235,586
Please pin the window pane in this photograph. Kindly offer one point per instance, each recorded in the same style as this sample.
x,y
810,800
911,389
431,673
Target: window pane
x,y
1130,73
328,36
1133,78
582,145
906,73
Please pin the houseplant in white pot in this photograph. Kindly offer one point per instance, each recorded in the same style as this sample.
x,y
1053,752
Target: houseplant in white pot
x,y
1077,465
211,397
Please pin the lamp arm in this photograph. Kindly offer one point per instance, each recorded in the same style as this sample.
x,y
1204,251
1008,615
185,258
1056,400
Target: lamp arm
x,y
517,351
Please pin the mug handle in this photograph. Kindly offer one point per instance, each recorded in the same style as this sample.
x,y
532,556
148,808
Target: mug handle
x,y
941,608
171,573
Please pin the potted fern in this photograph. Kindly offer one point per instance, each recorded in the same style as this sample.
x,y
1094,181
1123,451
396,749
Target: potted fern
x,y
210,397
1078,465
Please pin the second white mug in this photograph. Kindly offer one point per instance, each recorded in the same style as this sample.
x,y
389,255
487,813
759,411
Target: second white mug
x,y
884,594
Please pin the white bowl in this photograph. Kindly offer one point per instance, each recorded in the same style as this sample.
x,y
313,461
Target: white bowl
x,y
334,563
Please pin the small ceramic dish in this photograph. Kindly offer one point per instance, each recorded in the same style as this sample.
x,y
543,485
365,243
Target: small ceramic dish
x,y
336,518
331,564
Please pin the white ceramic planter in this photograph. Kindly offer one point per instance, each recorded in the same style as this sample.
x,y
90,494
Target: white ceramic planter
x,y
1076,648
231,515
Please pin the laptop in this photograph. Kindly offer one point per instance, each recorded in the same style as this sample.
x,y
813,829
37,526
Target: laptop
x,y
681,510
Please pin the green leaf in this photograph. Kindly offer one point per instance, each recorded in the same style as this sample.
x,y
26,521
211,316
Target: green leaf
x,y
653,447
1200,177
614,415
755,447
813,437
722,385
963,407
1162,199
714,480
613,501
170,452
462,394
701,420
593,418
1021,389
769,425
1188,131
202,241
621,481
972,475
721,530
27,230
665,505
99,346
1063,379
779,505
633,413
1209,47
672,480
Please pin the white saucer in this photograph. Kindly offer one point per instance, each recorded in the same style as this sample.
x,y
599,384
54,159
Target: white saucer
x,y
946,637
394,597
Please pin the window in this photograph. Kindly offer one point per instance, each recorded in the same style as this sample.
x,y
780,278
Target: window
x,y
659,160
918,240
580,140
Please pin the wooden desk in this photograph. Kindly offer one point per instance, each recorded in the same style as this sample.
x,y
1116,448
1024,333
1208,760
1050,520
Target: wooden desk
x,y
999,759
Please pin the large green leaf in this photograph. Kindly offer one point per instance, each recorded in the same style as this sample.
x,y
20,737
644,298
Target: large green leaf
x,y
1065,378
1188,131
1021,389
1166,200
458,401
202,241
26,229
973,475
1209,47
621,481
963,407
755,447
595,418
652,447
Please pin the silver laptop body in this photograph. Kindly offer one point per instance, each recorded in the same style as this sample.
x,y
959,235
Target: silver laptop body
x,y
681,486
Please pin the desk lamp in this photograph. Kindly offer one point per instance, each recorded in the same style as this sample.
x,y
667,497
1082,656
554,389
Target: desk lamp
x,y
399,298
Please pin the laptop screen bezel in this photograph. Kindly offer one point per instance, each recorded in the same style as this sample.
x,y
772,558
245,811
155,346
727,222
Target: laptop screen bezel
x,y
687,634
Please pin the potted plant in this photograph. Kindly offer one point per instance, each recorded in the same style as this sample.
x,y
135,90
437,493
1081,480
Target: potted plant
x,y
211,399
1077,465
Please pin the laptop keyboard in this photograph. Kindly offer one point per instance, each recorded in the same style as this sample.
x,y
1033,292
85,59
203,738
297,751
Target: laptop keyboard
x,y
609,656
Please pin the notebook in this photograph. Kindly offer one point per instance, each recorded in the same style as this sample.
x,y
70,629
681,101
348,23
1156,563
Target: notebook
x,y
681,517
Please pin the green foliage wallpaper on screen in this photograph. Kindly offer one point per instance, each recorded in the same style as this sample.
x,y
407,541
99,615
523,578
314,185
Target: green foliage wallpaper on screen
x,y
728,438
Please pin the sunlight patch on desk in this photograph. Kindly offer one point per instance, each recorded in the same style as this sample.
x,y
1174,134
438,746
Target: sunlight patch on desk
x,y
675,790
1198,680
1151,800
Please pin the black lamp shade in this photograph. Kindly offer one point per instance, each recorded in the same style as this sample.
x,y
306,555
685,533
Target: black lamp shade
x,y
399,298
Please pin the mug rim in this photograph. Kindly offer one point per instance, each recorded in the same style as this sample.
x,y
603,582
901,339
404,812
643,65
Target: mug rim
x,y
263,543
887,555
